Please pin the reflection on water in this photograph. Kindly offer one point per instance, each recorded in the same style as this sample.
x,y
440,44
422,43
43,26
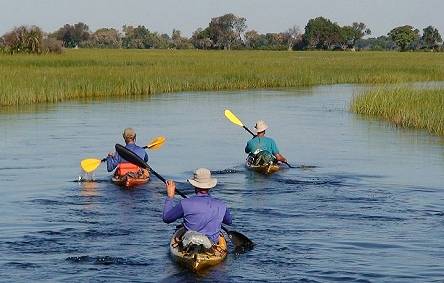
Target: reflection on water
x,y
88,188
367,206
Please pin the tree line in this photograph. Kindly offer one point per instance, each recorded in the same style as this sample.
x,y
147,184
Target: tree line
x,y
225,32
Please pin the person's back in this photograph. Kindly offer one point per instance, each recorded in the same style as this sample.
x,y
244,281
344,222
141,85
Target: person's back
x,y
140,151
204,214
262,146
114,160
201,213
257,144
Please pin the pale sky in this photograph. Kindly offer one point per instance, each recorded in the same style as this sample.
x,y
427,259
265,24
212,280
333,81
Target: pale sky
x,y
262,15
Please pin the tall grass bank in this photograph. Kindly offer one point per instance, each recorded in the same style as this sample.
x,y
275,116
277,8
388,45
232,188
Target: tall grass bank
x,y
29,79
412,108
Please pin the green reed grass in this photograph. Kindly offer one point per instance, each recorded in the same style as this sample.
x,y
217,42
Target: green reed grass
x,y
412,108
30,79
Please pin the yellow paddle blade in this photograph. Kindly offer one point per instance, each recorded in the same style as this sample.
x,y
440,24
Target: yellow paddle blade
x,y
156,143
89,165
230,116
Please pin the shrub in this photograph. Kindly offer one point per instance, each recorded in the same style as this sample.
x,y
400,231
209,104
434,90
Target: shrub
x,y
52,45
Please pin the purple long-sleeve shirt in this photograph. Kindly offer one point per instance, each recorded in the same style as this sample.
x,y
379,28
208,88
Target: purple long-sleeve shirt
x,y
201,213
113,161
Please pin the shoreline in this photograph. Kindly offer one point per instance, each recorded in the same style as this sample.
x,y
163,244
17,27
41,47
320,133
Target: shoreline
x,y
30,82
89,73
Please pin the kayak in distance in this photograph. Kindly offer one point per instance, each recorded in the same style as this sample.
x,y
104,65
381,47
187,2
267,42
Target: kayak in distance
x,y
196,257
267,168
132,179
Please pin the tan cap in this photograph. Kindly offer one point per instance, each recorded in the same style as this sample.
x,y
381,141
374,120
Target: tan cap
x,y
202,179
260,126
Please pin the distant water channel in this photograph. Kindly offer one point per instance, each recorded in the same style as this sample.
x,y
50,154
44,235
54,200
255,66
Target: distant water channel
x,y
372,210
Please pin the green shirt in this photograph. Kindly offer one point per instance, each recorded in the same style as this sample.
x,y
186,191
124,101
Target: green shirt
x,y
261,143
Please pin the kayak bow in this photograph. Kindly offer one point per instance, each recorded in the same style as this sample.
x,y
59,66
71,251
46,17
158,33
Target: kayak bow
x,y
197,261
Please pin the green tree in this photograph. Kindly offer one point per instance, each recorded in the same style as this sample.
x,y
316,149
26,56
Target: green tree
x,y
252,39
276,41
159,41
431,38
34,39
14,40
376,44
354,32
226,31
72,35
52,45
321,33
178,41
136,37
404,36
105,38
201,39
141,38
24,39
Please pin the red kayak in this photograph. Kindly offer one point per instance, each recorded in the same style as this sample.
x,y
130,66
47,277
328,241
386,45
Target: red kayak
x,y
129,175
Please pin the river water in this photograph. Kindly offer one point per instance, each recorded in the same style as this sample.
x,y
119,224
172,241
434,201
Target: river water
x,y
371,211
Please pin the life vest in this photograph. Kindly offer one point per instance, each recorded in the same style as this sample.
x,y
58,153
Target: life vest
x,y
125,168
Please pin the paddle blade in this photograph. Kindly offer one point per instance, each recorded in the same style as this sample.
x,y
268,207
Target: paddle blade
x,y
89,165
130,156
230,116
156,143
241,242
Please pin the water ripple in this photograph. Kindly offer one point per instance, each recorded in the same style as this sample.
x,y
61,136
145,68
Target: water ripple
x,y
105,260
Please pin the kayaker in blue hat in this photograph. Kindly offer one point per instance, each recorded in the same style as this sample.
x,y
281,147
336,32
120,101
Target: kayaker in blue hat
x,y
262,149
201,213
114,160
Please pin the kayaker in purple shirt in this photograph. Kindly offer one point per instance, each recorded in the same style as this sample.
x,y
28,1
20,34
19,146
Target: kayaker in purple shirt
x,y
114,159
201,213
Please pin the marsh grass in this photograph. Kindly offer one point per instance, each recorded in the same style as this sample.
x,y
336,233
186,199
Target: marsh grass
x,y
91,73
411,108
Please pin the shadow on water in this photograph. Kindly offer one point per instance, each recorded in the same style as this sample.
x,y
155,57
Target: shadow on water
x,y
227,171
105,260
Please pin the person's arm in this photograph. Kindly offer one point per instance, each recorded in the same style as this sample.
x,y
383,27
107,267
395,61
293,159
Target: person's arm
x,y
275,151
171,212
112,160
146,157
280,157
248,147
227,217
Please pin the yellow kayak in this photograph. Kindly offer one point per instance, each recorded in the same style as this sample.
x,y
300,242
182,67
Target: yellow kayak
x,y
197,261
267,169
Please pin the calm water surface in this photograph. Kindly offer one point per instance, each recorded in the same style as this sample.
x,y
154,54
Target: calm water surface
x,y
372,210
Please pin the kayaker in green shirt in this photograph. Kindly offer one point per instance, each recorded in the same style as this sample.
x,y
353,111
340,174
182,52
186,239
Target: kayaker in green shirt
x,y
263,149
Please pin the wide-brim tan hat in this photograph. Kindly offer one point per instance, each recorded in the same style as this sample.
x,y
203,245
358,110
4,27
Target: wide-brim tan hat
x,y
260,126
202,179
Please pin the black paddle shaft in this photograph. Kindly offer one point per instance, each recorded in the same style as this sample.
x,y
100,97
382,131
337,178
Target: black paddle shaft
x,y
248,130
244,243
133,158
